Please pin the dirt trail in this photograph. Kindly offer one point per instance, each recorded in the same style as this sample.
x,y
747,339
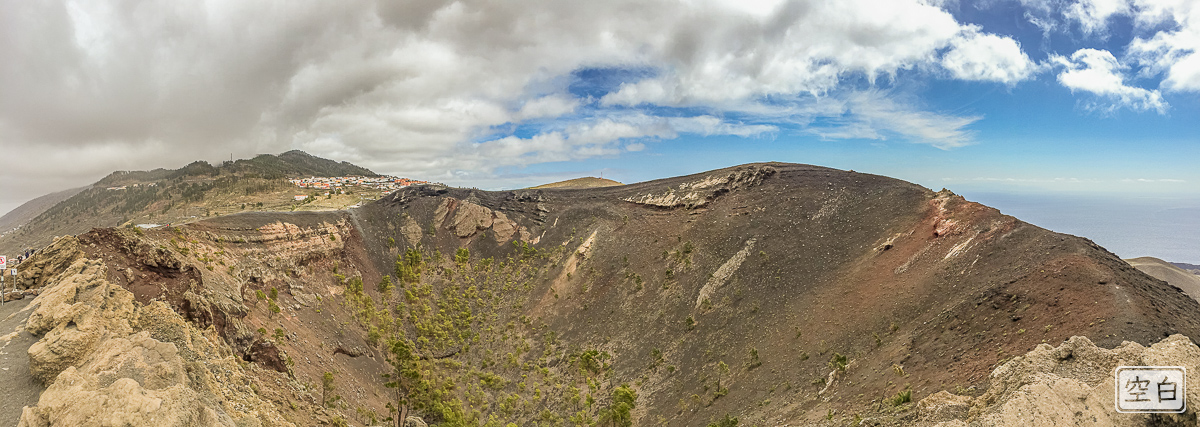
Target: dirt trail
x,y
20,389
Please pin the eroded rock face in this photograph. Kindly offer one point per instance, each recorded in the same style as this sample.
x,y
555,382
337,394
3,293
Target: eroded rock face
x,y
411,231
42,266
265,353
943,406
471,218
109,360
466,219
74,315
698,193
1068,385
80,399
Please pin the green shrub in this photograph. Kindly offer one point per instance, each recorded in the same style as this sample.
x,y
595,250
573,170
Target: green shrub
x,y
754,361
900,398
728,421
462,256
385,285
838,362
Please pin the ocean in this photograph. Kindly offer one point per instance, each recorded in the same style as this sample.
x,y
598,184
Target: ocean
x,y
1129,226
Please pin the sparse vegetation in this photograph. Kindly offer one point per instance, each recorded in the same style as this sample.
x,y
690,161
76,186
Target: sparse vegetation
x,y
838,362
900,398
753,361
726,421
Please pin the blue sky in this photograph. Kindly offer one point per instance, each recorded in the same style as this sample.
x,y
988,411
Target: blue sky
x,y
1017,103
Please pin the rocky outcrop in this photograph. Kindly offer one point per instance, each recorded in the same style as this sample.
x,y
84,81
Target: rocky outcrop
x,y
110,360
37,271
411,230
700,192
466,219
1069,385
943,406
73,315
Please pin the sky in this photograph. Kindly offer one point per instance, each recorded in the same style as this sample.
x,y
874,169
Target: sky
x,y
1036,107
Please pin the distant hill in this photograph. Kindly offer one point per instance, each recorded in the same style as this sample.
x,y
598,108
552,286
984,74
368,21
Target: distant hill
x,y
585,182
31,209
1190,268
163,196
1170,273
291,164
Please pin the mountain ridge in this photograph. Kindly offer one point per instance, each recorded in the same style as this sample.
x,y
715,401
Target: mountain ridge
x,y
176,195
294,163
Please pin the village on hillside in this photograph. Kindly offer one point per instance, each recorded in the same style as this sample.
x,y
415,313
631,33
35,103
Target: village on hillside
x,y
386,183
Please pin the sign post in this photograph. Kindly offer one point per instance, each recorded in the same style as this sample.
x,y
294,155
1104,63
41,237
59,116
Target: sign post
x,y
3,266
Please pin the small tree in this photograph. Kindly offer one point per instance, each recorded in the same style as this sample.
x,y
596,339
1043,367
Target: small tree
x,y
408,266
326,387
406,372
624,399
722,369
462,256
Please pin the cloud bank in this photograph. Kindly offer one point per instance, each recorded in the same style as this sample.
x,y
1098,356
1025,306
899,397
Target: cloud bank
x,y
454,90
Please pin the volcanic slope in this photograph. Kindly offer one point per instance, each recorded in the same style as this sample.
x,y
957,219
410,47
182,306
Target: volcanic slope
x,y
165,196
774,293
31,209
738,291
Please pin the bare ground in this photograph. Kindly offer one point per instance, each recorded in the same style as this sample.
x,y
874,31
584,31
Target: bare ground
x,y
20,388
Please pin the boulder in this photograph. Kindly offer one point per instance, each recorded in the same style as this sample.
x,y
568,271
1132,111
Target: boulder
x,y
943,406
1069,385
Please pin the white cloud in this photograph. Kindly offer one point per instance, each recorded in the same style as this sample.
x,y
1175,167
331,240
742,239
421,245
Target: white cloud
x,y
1098,72
988,57
1154,180
1047,25
548,106
802,47
1175,52
1093,15
872,115
1166,33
